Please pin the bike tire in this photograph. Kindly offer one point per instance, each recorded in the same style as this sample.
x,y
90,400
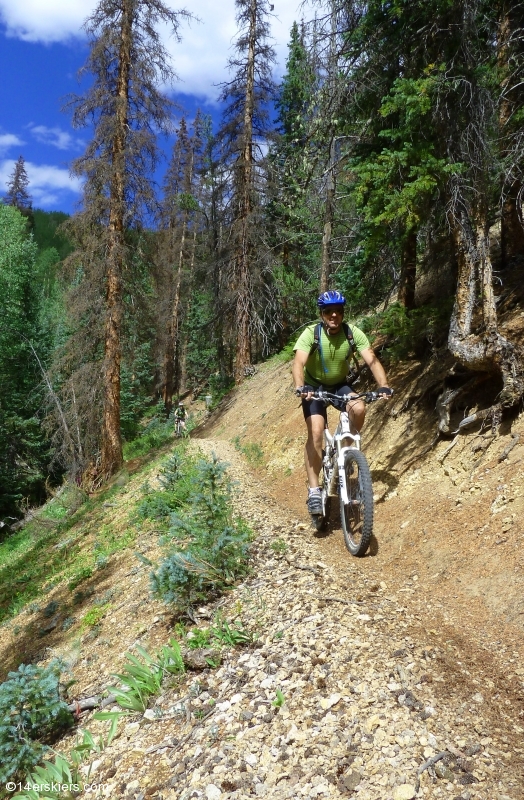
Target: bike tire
x,y
357,516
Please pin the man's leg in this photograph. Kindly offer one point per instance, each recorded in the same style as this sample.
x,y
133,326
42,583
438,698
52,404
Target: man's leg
x,y
357,414
355,408
313,449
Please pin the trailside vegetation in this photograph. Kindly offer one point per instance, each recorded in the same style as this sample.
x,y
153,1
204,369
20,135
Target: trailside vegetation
x,y
388,163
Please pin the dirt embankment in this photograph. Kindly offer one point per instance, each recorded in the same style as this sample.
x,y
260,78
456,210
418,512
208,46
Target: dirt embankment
x,y
400,674
448,522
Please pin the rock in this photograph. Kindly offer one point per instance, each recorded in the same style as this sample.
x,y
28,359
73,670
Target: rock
x,y
444,772
199,658
351,780
329,702
213,792
404,792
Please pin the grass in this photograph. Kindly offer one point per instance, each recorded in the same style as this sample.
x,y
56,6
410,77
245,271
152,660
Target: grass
x,y
251,451
95,615
67,540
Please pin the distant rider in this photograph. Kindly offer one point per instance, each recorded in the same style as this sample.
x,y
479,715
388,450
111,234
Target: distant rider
x,y
326,366
180,417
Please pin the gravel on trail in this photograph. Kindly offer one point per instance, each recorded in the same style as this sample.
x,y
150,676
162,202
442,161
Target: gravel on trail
x,y
343,694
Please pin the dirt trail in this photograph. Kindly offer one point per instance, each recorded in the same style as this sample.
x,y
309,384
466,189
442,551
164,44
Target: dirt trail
x,y
385,664
379,700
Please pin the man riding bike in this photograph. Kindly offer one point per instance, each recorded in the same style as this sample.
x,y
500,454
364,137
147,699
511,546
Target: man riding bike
x,y
180,418
325,365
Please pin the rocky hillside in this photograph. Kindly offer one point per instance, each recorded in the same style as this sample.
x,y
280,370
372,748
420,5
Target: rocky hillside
x,y
390,677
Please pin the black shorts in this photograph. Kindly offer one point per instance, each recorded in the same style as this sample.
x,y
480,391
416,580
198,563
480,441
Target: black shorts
x,y
319,407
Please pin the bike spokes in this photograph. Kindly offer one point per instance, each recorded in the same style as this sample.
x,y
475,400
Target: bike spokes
x,y
357,513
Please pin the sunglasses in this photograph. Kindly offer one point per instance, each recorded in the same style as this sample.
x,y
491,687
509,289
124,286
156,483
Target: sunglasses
x,y
335,310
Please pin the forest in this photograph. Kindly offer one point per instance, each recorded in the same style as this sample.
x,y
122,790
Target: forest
x,y
387,163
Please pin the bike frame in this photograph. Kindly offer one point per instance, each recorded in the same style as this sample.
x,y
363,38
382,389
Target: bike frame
x,y
337,445
341,441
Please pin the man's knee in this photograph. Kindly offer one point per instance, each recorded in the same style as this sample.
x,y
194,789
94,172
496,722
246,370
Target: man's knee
x,y
315,432
358,408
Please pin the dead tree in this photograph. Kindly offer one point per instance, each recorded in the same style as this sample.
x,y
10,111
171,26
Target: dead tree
x,y
126,109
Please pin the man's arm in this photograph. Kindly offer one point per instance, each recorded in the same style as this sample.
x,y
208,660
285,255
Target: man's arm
x,y
298,367
298,370
375,366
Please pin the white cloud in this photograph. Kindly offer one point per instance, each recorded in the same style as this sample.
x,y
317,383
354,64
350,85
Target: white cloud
x,y
47,184
56,137
200,59
9,140
44,20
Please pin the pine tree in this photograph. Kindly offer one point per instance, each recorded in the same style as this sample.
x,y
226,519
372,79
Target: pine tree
x,y
17,194
127,109
23,450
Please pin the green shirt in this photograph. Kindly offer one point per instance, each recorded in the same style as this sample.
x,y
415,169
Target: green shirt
x,y
335,354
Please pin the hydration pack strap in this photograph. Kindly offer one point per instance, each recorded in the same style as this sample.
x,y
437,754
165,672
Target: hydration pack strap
x,y
317,344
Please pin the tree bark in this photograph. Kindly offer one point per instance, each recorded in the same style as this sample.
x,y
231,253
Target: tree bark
x,y
480,347
111,456
408,270
243,248
191,281
329,207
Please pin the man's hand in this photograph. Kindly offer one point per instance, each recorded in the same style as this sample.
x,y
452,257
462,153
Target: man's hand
x,y
385,392
304,391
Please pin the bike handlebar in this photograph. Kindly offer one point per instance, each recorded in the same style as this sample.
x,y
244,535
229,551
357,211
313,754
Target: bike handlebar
x,y
320,394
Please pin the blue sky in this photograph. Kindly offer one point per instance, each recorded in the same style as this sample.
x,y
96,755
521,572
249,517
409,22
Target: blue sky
x,y
41,50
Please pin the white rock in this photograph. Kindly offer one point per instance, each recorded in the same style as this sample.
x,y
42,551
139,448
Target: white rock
x,y
95,766
213,792
250,759
224,706
404,792
329,702
236,699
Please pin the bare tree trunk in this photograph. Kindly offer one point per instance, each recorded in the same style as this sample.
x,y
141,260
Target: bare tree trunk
x,y
243,248
191,278
112,457
477,344
408,270
329,208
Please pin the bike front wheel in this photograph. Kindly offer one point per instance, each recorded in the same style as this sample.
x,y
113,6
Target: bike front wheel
x,y
357,514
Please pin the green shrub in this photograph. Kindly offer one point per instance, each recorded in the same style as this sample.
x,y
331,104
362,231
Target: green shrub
x,y
411,332
177,479
79,577
207,547
31,711
156,433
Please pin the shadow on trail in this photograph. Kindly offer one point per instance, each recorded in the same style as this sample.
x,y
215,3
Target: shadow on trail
x,y
333,529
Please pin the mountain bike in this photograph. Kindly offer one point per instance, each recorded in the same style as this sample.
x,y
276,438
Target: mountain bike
x,y
180,428
345,472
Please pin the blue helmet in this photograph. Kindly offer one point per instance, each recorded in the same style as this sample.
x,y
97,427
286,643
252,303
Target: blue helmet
x,y
332,298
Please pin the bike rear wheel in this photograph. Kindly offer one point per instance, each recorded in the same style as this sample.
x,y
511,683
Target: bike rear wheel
x,y
357,515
